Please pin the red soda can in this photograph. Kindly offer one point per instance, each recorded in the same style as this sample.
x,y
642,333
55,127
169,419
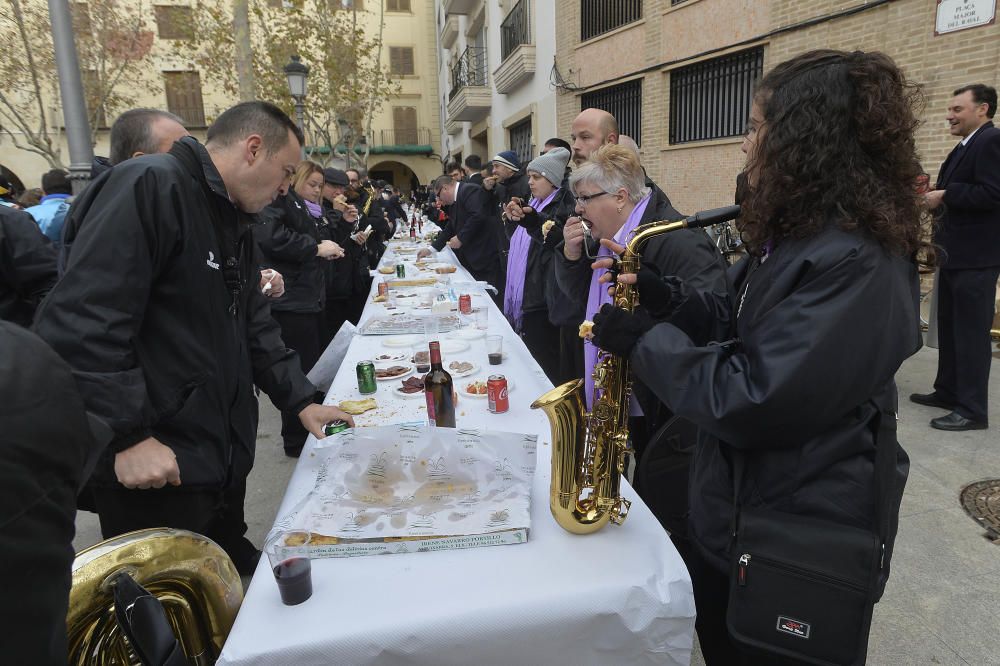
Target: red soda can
x,y
383,288
496,394
465,304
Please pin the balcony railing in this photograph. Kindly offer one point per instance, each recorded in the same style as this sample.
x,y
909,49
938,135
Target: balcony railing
x,y
404,137
515,29
470,70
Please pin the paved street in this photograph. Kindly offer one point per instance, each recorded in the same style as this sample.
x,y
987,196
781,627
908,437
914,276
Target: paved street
x,y
942,603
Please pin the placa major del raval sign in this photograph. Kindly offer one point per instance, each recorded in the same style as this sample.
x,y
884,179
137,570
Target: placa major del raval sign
x,y
953,15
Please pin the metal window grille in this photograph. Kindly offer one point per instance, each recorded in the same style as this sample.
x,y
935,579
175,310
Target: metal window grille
x,y
600,16
183,91
468,70
624,102
676,2
711,99
515,29
520,140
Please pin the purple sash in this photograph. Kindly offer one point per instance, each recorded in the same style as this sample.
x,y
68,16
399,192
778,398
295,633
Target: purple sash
x,y
517,265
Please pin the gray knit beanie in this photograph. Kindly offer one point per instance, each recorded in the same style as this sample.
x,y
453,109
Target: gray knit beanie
x,y
551,165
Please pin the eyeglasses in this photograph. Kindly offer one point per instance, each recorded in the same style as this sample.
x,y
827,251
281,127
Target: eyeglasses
x,y
584,199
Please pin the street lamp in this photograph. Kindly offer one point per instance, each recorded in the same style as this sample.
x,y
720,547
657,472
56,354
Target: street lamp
x,y
297,74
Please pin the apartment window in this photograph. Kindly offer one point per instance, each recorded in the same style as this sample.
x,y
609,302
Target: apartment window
x,y
624,102
184,97
600,16
515,29
520,140
711,99
173,21
347,4
404,125
401,60
397,5
80,12
93,97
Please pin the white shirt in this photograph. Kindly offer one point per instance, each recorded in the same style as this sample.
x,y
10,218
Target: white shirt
x,y
966,140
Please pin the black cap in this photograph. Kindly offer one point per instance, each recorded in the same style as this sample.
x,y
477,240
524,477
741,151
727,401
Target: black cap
x,y
336,177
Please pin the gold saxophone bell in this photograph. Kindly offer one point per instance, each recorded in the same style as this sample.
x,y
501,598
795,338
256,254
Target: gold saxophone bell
x,y
590,450
192,577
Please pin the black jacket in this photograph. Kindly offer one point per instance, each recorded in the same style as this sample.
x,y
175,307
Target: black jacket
x,y
287,236
822,325
538,277
146,319
473,220
45,443
370,210
27,266
968,229
515,186
348,276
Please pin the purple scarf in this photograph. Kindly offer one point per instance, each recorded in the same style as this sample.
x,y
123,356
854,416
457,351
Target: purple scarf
x,y
517,266
314,208
599,296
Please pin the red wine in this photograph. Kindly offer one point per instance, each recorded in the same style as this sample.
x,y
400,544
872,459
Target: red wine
x,y
294,577
439,391
495,358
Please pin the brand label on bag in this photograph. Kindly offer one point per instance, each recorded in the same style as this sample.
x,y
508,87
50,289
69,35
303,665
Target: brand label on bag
x,y
794,627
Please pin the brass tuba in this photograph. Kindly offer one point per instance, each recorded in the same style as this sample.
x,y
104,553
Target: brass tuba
x,y
192,577
589,451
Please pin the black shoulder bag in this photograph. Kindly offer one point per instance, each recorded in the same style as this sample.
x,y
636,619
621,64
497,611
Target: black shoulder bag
x,y
803,588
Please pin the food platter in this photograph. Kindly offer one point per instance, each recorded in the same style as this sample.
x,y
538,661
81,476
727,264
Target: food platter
x,y
463,388
400,371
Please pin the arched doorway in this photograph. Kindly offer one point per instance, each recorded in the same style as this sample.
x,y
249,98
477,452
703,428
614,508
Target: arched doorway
x,y
396,174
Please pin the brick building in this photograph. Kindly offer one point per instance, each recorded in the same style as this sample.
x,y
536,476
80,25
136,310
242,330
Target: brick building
x,y
678,74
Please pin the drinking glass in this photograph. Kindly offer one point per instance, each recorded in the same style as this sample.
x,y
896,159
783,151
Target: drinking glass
x,y
288,553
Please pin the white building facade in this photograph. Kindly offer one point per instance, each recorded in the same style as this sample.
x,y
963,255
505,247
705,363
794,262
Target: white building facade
x,y
495,62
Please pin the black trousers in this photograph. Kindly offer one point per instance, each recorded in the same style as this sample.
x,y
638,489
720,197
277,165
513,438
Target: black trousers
x,y
335,313
213,512
571,364
966,301
542,340
303,332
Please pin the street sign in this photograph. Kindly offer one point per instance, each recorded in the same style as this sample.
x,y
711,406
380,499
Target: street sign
x,y
955,15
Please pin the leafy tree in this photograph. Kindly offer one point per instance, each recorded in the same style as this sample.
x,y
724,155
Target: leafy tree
x,y
112,41
346,81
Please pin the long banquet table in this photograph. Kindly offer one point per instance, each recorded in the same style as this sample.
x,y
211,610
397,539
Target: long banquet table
x,y
620,596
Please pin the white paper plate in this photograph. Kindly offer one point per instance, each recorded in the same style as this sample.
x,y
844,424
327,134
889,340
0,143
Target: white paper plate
x,y
395,377
453,346
469,333
472,371
398,391
462,384
402,341
391,357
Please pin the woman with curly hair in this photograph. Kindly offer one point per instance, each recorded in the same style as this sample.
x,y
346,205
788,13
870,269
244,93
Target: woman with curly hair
x,y
821,315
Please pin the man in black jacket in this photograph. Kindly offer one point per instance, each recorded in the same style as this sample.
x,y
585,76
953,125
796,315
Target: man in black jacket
x,y
27,266
160,317
45,445
471,229
369,204
967,198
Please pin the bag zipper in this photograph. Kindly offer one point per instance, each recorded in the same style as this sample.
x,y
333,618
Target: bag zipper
x,y
815,576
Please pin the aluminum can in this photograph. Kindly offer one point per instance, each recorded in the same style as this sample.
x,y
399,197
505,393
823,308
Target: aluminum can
x,y
366,378
400,270
496,394
333,427
383,288
465,304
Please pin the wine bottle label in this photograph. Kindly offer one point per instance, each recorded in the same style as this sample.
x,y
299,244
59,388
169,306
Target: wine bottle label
x,y
431,415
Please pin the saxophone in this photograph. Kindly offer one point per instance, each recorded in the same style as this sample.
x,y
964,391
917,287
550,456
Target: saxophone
x,y
590,451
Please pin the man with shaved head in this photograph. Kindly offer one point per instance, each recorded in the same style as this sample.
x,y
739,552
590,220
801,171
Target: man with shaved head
x,y
595,127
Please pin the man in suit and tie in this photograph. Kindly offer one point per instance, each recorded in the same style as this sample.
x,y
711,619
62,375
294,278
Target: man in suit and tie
x,y
966,200
471,229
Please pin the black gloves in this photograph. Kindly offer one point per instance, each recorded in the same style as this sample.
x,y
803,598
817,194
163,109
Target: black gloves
x,y
660,296
616,331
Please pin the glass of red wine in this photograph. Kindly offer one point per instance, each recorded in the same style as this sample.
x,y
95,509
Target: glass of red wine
x,y
288,553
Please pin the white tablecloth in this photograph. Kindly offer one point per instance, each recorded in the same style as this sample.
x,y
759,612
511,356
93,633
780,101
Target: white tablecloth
x,y
620,596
